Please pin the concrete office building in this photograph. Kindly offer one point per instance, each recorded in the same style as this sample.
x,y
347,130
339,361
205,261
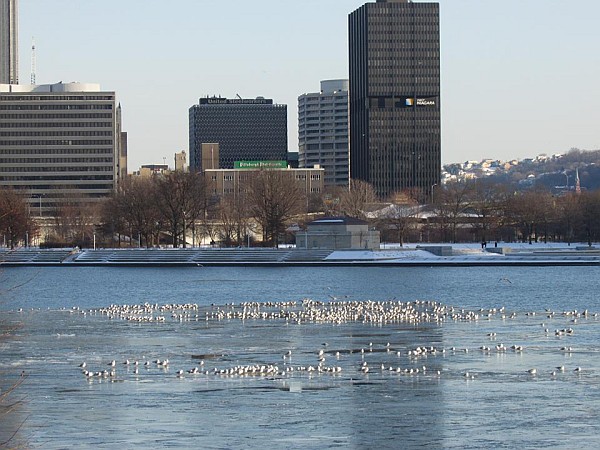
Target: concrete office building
x,y
61,144
9,42
245,129
151,170
228,182
181,162
209,156
395,123
323,131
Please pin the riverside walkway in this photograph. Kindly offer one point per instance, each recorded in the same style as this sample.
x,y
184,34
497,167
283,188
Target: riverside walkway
x,y
415,255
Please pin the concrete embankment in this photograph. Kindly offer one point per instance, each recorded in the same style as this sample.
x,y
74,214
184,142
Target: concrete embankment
x,y
421,255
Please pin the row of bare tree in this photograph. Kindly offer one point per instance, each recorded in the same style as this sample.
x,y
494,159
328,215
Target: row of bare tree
x,y
182,204
482,210
165,209
495,211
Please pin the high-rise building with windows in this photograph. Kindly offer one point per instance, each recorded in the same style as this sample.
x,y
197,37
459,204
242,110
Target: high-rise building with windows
x,y
61,144
323,131
395,123
244,129
9,42
181,162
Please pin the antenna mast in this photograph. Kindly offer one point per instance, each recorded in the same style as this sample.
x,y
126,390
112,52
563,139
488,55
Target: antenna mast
x,y
32,60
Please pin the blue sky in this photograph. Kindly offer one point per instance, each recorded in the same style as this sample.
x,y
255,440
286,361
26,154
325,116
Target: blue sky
x,y
519,77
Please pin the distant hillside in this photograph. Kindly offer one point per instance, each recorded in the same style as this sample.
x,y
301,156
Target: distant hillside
x,y
553,173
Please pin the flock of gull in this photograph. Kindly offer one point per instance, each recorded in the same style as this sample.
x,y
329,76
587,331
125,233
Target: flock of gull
x,y
307,311
397,359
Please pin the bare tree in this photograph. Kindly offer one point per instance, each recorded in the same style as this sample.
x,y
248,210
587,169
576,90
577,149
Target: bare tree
x,y
234,220
274,198
522,214
533,213
135,203
401,216
354,201
568,215
590,213
74,223
15,223
451,205
487,201
182,201
112,222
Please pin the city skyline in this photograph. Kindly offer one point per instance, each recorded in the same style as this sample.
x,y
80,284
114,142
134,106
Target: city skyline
x,y
517,78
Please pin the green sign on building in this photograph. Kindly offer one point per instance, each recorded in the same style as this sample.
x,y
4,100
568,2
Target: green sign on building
x,y
253,165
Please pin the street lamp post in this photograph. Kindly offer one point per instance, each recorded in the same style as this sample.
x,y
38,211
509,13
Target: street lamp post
x,y
39,197
184,229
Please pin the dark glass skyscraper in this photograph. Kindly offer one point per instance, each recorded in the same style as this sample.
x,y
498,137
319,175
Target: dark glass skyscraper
x,y
395,124
245,129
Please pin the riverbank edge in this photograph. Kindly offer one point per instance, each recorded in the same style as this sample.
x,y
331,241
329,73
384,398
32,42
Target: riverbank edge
x,y
462,262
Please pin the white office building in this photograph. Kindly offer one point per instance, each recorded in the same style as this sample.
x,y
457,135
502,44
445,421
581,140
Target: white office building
x,y
323,131
61,144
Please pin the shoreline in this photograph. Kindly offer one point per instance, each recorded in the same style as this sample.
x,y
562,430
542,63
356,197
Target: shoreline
x,y
424,263
414,256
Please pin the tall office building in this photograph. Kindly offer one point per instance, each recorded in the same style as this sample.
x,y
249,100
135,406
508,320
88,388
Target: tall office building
x,y
61,144
395,124
9,42
181,162
244,129
323,131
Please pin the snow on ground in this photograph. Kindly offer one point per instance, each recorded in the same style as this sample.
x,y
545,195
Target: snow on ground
x,y
378,255
461,252
477,245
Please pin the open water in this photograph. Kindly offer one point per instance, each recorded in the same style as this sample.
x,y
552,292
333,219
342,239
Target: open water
x,y
498,405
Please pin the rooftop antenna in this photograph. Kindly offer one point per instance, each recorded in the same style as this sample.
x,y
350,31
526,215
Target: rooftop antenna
x,y
32,60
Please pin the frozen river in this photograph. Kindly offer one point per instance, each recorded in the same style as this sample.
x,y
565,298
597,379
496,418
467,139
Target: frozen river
x,y
498,404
